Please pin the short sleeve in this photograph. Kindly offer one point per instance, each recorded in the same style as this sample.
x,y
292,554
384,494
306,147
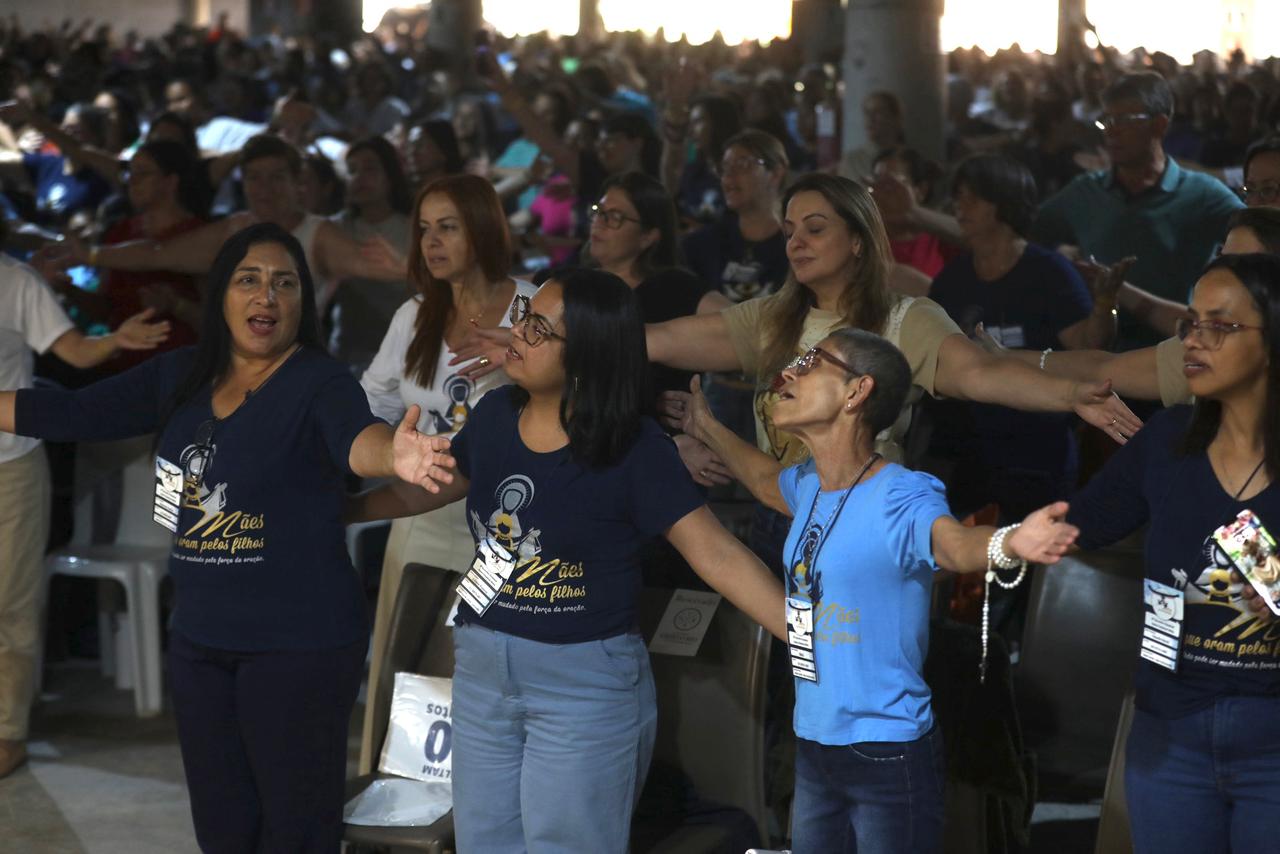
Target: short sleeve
x,y
381,380
1169,376
1069,296
482,418
341,412
924,328
789,482
662,493
43,321
913,502
745,333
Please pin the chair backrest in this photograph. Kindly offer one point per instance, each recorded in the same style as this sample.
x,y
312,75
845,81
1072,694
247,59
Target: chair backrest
x,y
418,641
1079,652
112,493
1113,825
711,707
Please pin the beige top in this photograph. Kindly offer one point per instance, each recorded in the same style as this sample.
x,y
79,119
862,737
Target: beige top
x,y
917,326
1169,376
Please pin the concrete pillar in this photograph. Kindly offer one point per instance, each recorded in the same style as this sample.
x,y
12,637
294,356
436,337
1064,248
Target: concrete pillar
x,y
451,29
896,45
1071,28
590,24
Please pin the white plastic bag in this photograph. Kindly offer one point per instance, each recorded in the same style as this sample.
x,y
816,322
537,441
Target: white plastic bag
x,y
420,735
392,801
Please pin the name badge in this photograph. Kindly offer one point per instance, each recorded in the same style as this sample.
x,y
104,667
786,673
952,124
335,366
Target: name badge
x,y
1162,624
800,639
490,570
168,494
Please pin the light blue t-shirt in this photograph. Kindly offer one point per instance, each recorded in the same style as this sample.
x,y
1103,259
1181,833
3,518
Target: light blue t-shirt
x,y
870,588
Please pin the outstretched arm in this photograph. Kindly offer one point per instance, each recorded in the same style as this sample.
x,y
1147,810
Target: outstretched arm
x,y
698,342
1043,537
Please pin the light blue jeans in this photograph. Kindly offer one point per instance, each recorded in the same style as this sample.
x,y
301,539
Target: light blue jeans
x,y
551,742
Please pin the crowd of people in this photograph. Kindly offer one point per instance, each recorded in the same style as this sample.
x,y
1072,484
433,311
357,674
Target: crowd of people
x,y
594,282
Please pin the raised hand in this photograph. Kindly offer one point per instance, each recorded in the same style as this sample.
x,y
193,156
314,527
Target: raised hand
x,y
1044,536
1104,280
485,349
418,458
139,333
1097,404
703,465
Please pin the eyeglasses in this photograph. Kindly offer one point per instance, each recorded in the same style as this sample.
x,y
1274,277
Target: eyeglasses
x,y
1265,192
737,165
536,327
1107,121
1210,332
805,363
612,217
196,459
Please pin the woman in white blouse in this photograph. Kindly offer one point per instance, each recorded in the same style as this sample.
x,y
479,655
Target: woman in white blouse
x,y
458,262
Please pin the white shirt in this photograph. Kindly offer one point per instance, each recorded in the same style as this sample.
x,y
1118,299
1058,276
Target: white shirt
x,y
439,538
30,321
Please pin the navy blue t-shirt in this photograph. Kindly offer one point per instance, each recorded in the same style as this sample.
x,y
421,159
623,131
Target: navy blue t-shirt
x,y
59,195
1026,309
576,531
739,268
259,561
1225,650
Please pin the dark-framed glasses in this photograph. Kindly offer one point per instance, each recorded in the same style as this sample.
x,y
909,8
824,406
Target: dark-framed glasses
x,y
1112,121
612,217
536,327
1262,192
196,459
1210,332
806,362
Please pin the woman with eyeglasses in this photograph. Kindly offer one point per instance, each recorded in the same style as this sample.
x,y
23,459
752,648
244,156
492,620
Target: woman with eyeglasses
x,y
633,236
840,259
565,479
257,430
1202,763
459,255
869,758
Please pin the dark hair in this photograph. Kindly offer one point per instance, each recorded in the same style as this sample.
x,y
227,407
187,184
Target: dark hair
x,y
1263,222
93,121
213,350
920,169
1266,145
656,210
1005,183
126,115
485,225
446,139
266,145
168,117
1148,88
326,175
725,119
174,158
635,126
397,184
873,356
605,366
1259,273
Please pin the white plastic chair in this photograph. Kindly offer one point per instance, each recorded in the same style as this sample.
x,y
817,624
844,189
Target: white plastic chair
x,y
115,480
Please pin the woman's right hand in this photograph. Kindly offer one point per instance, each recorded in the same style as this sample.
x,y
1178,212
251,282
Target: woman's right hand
x,y
1044,536
1252,599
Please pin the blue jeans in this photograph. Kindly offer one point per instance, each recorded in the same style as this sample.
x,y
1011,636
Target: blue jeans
x,y
874,797
1207,783
551,742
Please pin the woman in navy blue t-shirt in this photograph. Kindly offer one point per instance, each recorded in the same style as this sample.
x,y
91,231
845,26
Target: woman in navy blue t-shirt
x,y
1202,765
553,701
258,429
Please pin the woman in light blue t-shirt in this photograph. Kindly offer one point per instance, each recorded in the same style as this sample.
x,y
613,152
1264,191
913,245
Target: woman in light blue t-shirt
x,y
865,540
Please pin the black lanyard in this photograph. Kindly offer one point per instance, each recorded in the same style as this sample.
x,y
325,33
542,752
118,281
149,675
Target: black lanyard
x,y
831,523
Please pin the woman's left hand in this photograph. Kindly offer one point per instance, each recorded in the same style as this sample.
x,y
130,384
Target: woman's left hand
x,y
1252,599
1044,536
485,349
1097,404
418,458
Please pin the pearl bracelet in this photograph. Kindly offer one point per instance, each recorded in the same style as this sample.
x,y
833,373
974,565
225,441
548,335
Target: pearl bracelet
x,y
996,558
1044,356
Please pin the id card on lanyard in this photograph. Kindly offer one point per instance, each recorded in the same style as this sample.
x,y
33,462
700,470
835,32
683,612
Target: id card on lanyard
x,y
490,570
800,639
168,497
1162,624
